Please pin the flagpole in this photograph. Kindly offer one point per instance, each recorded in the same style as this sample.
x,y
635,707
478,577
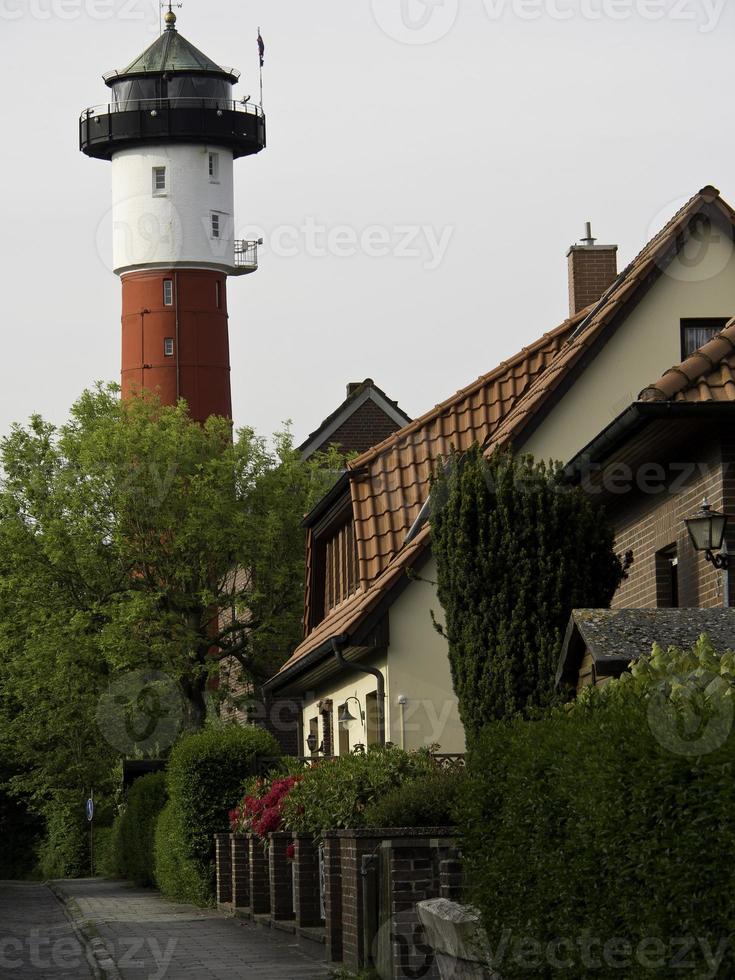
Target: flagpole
x,y
261,72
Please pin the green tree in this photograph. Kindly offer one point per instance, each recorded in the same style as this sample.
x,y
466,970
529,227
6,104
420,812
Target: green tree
x,y
132,538
516,551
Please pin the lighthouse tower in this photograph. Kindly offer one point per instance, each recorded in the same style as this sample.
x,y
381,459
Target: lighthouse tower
x,y
173,129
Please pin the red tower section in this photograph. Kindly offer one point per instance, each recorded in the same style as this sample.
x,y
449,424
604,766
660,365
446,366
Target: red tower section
x,y
175,339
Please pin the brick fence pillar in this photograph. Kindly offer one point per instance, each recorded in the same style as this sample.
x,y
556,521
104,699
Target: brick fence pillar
x,y
451,876
280,876
415,869
240,872
306,881
260,893
333,896
354,844
223,853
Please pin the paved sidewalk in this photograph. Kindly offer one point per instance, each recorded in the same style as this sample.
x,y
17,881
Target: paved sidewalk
x,y
152,939
37,941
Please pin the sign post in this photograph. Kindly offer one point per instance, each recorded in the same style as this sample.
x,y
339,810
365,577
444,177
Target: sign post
x,y
90,818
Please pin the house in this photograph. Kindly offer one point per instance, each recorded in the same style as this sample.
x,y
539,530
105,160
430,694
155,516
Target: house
x,y
365,417
601,643
371,665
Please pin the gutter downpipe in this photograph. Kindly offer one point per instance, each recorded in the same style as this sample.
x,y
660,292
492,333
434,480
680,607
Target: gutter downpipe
x,y
338,644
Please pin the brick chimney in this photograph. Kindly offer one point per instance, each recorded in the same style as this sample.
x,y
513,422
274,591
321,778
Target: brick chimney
x,y
592,268
354,385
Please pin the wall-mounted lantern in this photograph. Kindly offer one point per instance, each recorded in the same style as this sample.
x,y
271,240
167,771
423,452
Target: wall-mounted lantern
x,y
345,716
707,531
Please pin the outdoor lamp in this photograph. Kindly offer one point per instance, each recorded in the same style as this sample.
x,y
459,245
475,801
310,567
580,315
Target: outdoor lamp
x,y
345,716
707,531
312,741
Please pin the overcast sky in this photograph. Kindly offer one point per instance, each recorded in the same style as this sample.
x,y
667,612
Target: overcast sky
x,y
428,166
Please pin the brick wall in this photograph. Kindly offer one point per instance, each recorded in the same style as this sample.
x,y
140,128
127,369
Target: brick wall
x,y
333,895
353,846
591,271
259,871
415,876
223,857
281,876
647,523
367,426
240,850
307,907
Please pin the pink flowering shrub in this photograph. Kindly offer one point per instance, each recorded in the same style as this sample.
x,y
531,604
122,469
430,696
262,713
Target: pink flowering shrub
x,y
260,812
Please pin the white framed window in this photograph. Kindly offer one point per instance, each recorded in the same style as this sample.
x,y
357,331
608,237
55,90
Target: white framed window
x,y
159,180
168,347
214,167
215,225
168,292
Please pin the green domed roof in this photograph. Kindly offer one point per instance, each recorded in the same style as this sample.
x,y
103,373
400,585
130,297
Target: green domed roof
x,y
171,53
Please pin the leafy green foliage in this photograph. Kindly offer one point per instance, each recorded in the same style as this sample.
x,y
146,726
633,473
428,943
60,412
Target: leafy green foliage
x,y
516,552
429,800
586,827
65,852
336,793
122,533
176,874
135,829
205,778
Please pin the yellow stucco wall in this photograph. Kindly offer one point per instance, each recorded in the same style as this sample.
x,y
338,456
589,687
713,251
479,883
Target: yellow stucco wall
x,y
699,283
416,671
419,671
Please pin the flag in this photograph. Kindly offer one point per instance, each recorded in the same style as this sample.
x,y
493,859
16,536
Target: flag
x,y
261,49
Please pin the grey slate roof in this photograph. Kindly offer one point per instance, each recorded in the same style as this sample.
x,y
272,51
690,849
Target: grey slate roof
x,y
615,637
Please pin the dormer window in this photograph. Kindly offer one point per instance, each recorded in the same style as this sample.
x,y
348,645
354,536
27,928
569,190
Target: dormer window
x,y
341,576
696,332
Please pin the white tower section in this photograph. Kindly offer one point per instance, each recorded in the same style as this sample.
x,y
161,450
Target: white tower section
x,y
173,207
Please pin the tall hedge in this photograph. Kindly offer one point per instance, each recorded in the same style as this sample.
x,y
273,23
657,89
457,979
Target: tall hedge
x,y
595,838
133,834
205,777
516,552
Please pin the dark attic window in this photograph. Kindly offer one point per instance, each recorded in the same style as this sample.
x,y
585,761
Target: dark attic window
x,y
698,331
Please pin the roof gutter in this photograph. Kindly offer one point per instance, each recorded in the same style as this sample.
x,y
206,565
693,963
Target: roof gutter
x,y
338,643
638,414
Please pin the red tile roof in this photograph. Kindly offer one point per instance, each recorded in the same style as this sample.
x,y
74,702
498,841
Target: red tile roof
x,y
708,375
390,482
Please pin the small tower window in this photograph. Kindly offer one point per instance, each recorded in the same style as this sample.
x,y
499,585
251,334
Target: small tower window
x,y
218,294
168,347
214,167
215,225
159,180
168,292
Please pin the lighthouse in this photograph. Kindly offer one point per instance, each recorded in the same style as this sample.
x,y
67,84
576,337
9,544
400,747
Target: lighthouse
x,y
172,130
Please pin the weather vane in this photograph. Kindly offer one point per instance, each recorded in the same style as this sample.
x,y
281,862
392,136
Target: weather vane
x,y
170,5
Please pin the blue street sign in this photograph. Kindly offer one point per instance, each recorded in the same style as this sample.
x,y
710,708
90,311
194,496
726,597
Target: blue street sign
x,y
90,810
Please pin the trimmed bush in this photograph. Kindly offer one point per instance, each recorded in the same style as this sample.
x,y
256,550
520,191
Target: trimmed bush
x,y
176,874
429,800
604,834
205,778
134,830
335,794
64,851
